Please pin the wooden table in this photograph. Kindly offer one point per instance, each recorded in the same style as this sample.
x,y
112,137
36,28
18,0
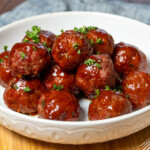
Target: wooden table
x,y
10,140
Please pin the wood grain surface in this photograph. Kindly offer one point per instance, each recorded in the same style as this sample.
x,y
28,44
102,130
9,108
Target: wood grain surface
x,y
10,140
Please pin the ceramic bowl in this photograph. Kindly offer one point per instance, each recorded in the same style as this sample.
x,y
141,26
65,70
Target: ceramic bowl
x,y
82,131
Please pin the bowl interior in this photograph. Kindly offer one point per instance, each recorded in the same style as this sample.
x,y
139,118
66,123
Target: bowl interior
x,y
122,29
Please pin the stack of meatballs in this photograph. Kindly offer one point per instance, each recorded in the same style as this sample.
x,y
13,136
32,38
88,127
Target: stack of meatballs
x,y
45,73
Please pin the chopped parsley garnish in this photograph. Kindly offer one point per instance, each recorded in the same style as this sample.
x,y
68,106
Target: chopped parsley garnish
x,y
34,48
80,37
99,41
22,55
49,49
34,34
99,61
91,42
107,88
98,65
57,36
5,48
84,29
25,40
98,53
79,51
90,102
75,45
97,91
44,43
27,89
127,96
16,87
58,88
66,56
1,60
91,62
43,103
62,31
5,56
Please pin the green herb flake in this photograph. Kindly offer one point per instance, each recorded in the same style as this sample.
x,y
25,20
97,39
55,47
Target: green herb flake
x,y
58,88
75,45
99,41
27,89
34,48
98,65
34,34
43,103
44,43
66,56
79,52
89,62
91,42
49,49
16,87
98,53
99,61
57,36
90,102
1,60
84,29
107,88
62,31
22,55
80,38
5,48
127,96
6,56
25,40
97,91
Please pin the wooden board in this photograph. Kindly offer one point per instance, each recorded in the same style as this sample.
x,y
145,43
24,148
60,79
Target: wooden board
x,y
10,140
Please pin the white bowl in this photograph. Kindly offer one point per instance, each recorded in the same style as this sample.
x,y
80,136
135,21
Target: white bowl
x,y
83,131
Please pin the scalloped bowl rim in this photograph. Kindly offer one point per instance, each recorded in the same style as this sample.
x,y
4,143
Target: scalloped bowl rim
x,y
76,123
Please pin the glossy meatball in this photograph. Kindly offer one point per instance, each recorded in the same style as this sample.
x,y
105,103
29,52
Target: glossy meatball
x,y
96,72
102,41
128,58
137,85
22,95
109,104
28,59
46,37
70,49
58,105
5,73
59,77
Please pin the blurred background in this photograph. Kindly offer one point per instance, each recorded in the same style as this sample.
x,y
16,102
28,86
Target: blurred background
x,y
12,10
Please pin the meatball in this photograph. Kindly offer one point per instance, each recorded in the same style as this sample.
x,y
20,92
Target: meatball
x,y
23,95
103,42
58,105
5,73
136,85
70,49
95,73
28,59
109,104
45,37
56,76
128,58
